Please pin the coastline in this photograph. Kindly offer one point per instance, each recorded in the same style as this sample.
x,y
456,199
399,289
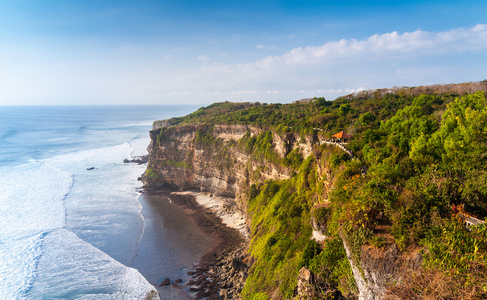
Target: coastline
x,y
205,278
221,207
170,246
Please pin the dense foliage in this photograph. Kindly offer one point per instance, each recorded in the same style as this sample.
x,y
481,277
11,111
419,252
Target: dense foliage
x,y
417,157
427,159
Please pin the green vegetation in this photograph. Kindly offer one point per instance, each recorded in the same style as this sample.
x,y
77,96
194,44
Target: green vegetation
x,y
179,164
280,227
261,147
422,161
203,136
333,268
150,173
423,154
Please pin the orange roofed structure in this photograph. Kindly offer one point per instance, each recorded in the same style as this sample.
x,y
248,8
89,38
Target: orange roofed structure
x,y
342,136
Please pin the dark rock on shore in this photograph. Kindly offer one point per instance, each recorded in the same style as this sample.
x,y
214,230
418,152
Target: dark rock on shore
x,y
221,273
222,277
165,282
177,286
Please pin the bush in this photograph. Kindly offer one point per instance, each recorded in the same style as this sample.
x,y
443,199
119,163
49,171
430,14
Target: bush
x,y
294,159
321,215
337,159
312,249
258,296
366,119
332,267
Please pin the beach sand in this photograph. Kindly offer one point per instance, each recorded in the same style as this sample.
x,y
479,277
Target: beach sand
x,y
171,245
179,235
221,208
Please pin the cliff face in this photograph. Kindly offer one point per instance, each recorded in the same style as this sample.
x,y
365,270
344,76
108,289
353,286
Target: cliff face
x,y
210,159
408,169
203,158
379,268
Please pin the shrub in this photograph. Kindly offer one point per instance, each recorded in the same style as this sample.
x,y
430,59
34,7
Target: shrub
x,y
312,249
337,159
332,267
321,216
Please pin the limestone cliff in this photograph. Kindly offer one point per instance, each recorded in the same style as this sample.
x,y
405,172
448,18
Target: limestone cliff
x,y
391,187
376,269
207,158
210,159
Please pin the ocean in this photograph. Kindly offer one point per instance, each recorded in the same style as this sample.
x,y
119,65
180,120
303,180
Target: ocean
x,y
69,232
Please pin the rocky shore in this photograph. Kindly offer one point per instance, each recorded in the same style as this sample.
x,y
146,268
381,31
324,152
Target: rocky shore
x,y
221,273
220,276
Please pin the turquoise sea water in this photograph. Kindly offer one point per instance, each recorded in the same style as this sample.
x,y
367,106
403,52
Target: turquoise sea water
x,y
65,231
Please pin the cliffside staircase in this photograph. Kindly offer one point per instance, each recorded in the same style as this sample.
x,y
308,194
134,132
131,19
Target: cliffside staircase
x,y
467,219
339,145
342,146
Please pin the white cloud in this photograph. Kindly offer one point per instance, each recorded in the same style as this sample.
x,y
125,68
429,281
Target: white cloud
x,y
148,75
347,66
387,45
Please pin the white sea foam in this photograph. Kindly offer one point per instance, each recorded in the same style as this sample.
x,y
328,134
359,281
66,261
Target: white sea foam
x,y
42,201
102,208
17,265
136,124
54,198
31,204
73,269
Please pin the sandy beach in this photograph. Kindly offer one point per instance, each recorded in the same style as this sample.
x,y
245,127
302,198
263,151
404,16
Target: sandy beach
x,y
182,231
221,208
171,245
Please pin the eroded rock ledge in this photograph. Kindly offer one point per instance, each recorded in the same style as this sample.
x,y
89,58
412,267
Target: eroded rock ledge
x,y
181,158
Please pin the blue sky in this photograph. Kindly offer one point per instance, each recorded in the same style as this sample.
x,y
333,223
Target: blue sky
x,y
199,52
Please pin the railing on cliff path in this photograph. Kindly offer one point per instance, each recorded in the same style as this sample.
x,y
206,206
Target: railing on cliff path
x,y
340,145
467,219
349,152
